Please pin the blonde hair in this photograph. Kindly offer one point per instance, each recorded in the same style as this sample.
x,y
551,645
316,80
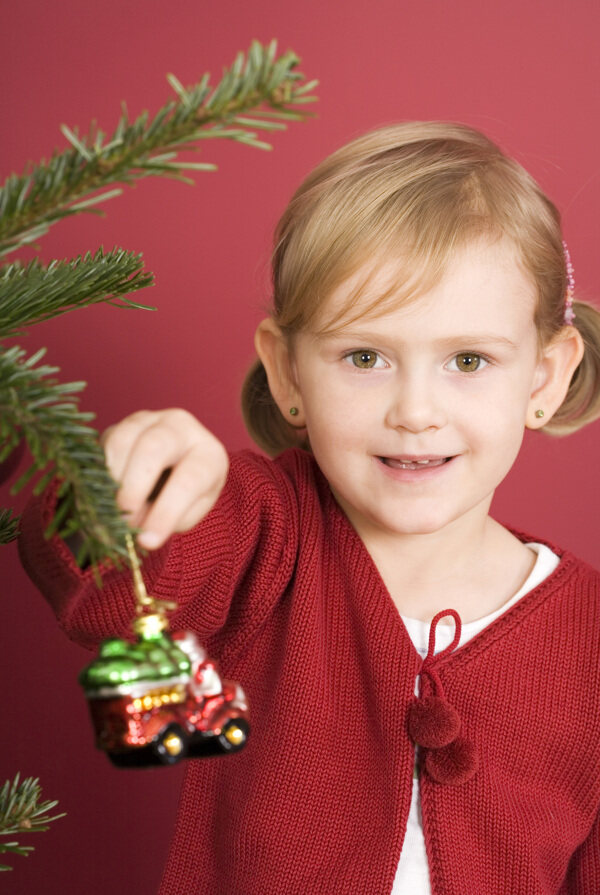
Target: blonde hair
x,y
416,191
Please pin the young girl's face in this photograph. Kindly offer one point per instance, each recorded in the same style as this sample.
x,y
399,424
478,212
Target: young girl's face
x,y
416,415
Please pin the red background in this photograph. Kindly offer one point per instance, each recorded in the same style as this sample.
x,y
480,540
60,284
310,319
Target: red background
x,y
525,72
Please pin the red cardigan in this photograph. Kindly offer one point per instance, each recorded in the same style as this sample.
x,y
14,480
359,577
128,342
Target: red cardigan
x,y
280,588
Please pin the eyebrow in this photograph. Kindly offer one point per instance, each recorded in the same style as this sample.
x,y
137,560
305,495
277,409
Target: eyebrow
x,y
458,339
481,338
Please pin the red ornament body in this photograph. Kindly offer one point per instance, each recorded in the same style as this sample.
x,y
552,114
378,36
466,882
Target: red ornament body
x,y
161,699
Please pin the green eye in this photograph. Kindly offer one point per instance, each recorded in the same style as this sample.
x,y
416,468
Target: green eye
x,y
468,363
365,360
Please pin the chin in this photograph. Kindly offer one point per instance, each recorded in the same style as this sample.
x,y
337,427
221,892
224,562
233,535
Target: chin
x,y
422,526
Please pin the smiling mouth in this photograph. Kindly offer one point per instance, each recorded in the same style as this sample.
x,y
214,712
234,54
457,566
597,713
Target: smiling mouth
x,y
414,462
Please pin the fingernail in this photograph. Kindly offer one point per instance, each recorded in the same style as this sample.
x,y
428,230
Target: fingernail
x,y
149,539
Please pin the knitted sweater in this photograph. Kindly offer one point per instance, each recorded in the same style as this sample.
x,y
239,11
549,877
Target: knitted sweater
x,y
281,589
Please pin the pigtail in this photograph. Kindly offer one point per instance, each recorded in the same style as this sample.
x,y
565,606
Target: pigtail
x,y
264,422
582,403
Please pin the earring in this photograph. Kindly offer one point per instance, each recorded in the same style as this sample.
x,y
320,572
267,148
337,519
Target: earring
x,y
294,411
539,414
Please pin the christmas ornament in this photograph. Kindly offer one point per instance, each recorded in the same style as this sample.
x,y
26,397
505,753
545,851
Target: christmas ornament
x,y
160,698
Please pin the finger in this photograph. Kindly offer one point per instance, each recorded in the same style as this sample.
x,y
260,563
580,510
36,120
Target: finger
x,y
118,440
155,450
190,493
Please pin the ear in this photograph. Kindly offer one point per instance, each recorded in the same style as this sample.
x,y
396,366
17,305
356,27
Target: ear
x,y
273,348
558,361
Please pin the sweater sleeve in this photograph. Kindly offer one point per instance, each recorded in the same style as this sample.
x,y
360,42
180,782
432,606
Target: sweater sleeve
x,y
226,573
584,869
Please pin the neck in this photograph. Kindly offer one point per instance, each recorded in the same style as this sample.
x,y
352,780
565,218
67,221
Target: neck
x,y
473,565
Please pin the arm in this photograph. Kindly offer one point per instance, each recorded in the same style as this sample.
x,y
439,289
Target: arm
x,y
583,874
241,554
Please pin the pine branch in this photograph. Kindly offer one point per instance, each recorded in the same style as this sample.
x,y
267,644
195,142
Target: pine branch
x,y
34,293
36,407
9,526
258,92
22,812
43,411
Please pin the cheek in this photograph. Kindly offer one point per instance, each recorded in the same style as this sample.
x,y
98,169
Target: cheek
x,y
498,404
330,424
333,401
338,425
493,427
499,440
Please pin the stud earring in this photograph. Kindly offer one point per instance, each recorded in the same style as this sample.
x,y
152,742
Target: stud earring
x,y
293,411
539,414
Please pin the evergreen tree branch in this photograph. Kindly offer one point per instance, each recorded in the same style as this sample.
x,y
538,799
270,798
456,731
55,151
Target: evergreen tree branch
x,y
259,92
43,411
9,526
22,812
32,293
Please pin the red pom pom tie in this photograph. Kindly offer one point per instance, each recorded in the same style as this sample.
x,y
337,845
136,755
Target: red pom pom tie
x,y
454,764
434,724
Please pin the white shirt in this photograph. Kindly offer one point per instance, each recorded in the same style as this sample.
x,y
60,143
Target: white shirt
x,y
412,875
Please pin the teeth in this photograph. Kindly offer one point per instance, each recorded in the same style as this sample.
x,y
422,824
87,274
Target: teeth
x,y
412,462
405,463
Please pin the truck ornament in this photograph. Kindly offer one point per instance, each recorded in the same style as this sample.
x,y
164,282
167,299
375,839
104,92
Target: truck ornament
x,y
160,698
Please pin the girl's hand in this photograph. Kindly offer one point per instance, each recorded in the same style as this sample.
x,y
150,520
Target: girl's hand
x,y
170,470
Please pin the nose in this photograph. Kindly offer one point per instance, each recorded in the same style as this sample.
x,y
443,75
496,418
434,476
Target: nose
x,y
416,403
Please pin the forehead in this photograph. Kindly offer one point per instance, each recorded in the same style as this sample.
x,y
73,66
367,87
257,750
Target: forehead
x,y
481,278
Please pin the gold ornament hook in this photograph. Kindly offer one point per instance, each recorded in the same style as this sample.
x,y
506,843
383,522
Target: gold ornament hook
x,y
140,588
152,623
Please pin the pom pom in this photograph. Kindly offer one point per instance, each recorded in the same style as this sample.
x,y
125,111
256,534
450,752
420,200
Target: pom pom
x,y
454,764
433,722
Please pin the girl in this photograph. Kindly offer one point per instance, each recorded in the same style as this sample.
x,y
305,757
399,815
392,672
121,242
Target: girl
x,y
423,681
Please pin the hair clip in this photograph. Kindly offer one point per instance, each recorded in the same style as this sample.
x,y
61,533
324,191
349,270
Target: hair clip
x,y
569,315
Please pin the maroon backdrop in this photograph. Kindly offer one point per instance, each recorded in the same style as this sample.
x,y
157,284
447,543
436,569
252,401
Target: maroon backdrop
x,y
525,71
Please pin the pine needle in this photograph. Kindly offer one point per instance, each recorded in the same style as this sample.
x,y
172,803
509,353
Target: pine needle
x,y
21,812
259,91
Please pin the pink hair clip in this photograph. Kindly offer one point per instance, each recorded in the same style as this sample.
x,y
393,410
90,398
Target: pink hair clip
x,y
569,315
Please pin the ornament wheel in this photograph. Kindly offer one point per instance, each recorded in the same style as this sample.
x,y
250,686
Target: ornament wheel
x,y
171,745
234,735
